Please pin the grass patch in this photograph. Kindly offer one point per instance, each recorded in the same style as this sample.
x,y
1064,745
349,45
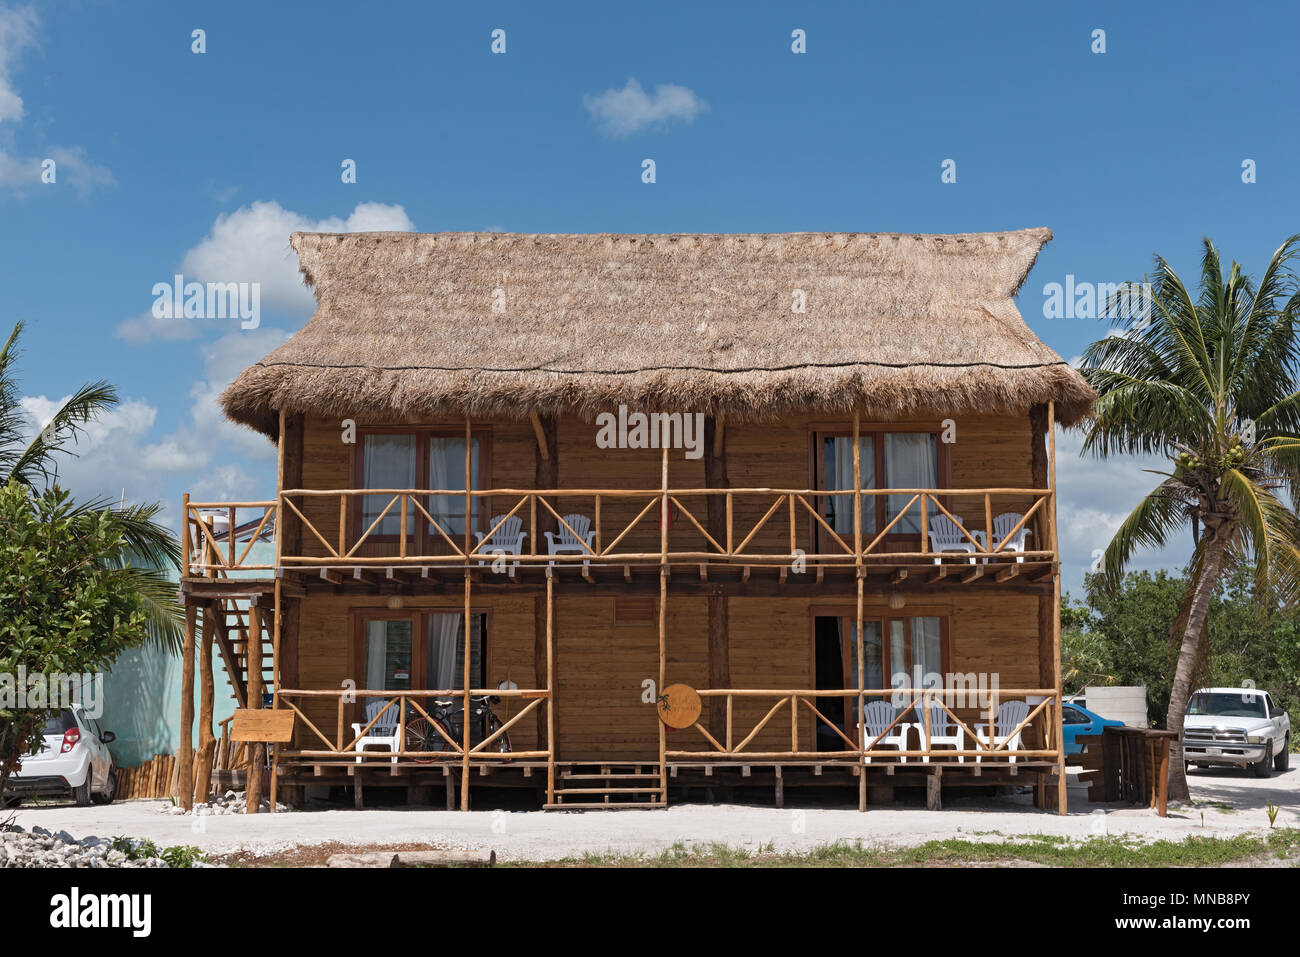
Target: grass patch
x,y
1031,849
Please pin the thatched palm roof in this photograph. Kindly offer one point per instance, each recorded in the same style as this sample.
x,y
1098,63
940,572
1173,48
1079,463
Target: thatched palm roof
x,y
405,325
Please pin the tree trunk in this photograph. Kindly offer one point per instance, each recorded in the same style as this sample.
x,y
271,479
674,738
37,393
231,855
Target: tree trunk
x,y
1211,566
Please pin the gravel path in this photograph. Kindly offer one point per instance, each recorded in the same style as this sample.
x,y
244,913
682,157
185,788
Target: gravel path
x,y
1230,802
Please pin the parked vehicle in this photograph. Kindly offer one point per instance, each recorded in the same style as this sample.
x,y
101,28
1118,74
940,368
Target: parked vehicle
x,y
75,762
1077,720
1236,726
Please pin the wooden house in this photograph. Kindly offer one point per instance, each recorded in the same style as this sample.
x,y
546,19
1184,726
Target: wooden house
x,y
805,480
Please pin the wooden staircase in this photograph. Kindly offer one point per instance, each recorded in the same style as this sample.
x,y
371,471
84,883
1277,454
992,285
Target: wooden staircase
x,y
231,633
609,787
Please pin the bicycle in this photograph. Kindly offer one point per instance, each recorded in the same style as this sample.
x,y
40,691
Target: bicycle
x,y
422,735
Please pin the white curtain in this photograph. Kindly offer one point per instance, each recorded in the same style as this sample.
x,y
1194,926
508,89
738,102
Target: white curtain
x,y
927,644
839,476
447,471
388,652
387,461
376,654
872,663
910,462
445,652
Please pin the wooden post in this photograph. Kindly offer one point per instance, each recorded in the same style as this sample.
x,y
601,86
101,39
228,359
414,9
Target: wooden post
x,y
185,535
663,623
257,752
288,529
857,561
207,695
1039,479
862,742
275,678
546,475
1062,800
465,720
186,751
550,687
715,476
468,508
659,689
857,493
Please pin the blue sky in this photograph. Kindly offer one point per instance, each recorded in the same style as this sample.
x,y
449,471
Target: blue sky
x,y
169,161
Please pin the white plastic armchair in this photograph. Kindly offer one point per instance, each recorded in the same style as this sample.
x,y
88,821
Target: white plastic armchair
x,y
1002,526
876,717
943,730
383,733
564,542
1010,714
508,539
945,536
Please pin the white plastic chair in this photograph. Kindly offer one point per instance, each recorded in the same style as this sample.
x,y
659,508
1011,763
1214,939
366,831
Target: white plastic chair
x,y
1010,714
383,733
945,536
1002,526
563,542
508,539
876,717
943,730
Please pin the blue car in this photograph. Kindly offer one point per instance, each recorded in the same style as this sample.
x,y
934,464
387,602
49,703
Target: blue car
x,y
1076,721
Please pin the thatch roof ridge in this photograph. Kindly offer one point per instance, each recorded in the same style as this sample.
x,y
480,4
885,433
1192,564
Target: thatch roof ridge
x,y
894,323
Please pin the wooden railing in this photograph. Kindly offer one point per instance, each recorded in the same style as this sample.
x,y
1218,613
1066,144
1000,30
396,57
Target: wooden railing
x,y
424,538
215,543
860,744
410,706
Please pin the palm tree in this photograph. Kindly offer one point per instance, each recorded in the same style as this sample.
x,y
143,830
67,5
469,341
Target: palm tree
x,y
32,462
1211,383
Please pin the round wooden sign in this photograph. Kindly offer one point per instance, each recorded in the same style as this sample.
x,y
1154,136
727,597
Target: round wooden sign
x,y
679,706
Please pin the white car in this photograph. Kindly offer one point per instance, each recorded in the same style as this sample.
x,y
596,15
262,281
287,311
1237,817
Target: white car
x,y
1236,726
74,762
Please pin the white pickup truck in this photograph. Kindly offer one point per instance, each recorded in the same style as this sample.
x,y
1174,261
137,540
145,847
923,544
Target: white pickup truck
x,y
1237,726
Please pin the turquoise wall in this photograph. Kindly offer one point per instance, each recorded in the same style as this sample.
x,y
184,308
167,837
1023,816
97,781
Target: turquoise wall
x,y
142,694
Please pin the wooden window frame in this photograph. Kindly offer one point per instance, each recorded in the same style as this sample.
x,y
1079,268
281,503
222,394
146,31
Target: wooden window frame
x,y
423,537
882,614
818,432
419,641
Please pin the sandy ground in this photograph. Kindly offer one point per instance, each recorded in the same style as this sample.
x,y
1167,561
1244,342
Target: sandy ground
x,y
1229,802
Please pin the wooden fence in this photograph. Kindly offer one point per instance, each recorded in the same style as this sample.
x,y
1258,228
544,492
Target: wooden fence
x,y
157,777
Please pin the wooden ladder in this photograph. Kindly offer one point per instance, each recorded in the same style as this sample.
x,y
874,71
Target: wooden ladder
x,y
609,786
232,643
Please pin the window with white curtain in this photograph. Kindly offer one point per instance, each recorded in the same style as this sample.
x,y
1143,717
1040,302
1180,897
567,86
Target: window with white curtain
x,y
445,668
908,460
838,472
387,461
388,654
447,471
911,461
418,460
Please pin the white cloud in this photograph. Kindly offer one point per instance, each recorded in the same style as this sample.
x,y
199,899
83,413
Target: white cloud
x,y
252,245
17,33
146,328
1096,495
114,456
72,167
625,112
223,361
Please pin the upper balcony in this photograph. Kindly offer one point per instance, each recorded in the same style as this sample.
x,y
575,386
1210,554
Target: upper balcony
x,y
795,534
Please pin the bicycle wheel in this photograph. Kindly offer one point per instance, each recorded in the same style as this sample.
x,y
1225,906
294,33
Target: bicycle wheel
x,y
502,744
421,735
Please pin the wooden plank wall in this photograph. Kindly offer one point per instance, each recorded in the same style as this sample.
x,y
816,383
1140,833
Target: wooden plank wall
x,y
601,664
604,655
990,451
